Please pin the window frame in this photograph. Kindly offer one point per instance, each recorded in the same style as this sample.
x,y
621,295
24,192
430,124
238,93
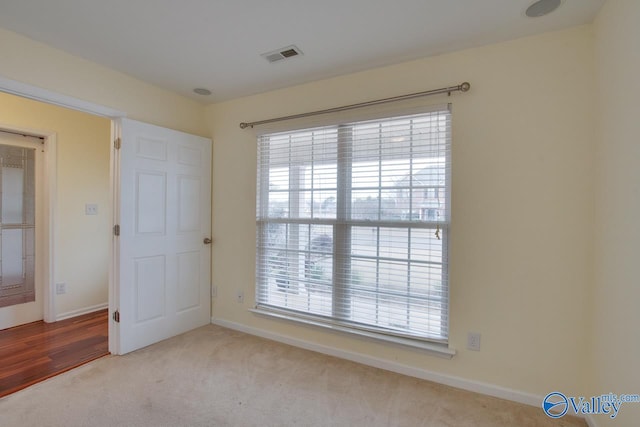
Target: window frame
x,y
342,257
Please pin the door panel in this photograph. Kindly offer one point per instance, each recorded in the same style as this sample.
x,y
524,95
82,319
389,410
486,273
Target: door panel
x,y
188,204
19,159
151,195
150,288
188,290
12,193
164,215
12,266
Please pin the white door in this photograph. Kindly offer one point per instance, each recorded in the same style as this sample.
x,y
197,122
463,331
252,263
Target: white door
x,y
21,160
162,255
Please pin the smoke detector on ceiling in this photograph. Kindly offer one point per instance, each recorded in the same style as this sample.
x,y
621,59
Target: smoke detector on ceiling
x,y
542,8
282,53
202,91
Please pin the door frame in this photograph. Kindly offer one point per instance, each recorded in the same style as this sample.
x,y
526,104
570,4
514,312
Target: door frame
x,y
45,255
26,90
114,248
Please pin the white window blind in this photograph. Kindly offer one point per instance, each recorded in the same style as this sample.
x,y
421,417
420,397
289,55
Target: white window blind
x,y
353,224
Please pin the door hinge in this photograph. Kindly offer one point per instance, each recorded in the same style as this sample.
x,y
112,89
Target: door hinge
x,y
116,316
116,230
117,143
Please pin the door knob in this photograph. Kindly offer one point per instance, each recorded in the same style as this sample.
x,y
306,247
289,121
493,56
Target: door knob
x,y
207,241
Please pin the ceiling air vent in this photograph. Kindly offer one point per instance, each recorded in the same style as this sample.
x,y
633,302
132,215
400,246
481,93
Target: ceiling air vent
x,y
283,53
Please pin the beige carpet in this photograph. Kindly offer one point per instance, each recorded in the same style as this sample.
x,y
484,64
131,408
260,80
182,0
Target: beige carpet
x,y
217,377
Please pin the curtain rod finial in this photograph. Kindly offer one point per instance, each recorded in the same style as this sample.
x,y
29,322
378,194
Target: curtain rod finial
x,y
243,125
464,87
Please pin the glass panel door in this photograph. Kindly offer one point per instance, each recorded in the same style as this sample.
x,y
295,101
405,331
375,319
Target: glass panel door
x,y
17,225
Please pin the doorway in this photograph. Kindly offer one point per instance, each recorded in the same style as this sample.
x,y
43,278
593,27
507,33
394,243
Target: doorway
x,y
195,288
72,241
77,191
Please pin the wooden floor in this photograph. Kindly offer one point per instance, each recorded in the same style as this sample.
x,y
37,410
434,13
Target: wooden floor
x,y
36,351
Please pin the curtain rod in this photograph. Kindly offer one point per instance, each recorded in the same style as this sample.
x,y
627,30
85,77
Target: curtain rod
x,y
463,87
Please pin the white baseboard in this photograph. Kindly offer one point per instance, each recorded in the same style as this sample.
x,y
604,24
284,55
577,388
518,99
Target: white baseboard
x,y
453,381
81,311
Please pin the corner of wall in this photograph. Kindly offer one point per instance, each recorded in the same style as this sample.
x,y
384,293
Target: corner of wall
x,y
615,348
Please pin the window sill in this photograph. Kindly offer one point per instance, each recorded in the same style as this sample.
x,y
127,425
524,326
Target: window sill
x,y
435,349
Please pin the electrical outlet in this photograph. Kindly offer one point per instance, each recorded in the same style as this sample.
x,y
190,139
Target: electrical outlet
x,y
473,341
91,209
239,296
61,288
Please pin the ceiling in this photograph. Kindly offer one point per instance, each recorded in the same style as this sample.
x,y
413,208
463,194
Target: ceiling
x,y
216,44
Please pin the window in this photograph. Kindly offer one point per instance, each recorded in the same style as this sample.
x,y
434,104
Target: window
x,y
353,225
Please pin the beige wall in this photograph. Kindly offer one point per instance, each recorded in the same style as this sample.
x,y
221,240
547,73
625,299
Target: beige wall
x,y
616,303
523,141
82,242
34,63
